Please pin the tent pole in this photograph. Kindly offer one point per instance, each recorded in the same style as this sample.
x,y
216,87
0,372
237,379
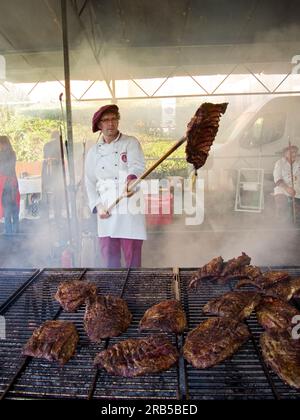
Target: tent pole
x,y
74,224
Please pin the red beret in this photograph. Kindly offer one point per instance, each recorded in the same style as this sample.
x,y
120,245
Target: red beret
x,y
98,115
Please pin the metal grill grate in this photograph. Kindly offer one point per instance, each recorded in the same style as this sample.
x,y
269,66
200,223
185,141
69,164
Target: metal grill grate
x,y
143,289
40,378
10,281
244,375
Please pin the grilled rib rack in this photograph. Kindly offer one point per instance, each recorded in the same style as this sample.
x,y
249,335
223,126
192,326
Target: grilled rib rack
x,y
28,302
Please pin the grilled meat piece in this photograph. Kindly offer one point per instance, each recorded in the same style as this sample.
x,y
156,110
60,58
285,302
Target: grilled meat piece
x,y
210,270
165,316
282,354
266,280
248,272
235,264
72,294
136,357
285,289
213,341
237,305
53,341
106,316
217,268
275,314
201,132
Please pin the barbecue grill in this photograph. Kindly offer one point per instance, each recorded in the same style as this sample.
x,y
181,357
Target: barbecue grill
x,y
27,301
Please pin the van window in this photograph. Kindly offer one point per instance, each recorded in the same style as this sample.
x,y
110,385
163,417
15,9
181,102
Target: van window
x,y
264,129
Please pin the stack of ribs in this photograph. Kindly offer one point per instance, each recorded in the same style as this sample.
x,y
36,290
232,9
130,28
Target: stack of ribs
x,y
275,283
286,289
167,316
280,350
237,305
282,354
213,341
135,357
53,341
202,130
72,294
274,314
217,268
106,316
265,280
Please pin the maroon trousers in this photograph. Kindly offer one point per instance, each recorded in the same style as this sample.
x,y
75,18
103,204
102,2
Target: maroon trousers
x,y
110,249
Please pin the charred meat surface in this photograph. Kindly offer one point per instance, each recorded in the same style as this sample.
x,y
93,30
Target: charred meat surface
x,y
282,354
266,280
235,264
135,357
53,341
210,270
285,289
72,294
275,314
166,316
202,130
213,341
217,268
106,316
246,272
237,305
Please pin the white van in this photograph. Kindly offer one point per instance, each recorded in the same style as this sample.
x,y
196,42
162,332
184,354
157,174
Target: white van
x,y
255,140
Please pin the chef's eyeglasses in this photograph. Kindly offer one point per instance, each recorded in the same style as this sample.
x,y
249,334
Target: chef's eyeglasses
x,y
105,120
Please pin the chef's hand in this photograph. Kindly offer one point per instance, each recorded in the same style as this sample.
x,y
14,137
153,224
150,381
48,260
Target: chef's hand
x,y
102,212
290,191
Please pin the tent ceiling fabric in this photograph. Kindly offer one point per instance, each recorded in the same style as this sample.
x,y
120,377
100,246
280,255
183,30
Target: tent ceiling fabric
x,y
121,39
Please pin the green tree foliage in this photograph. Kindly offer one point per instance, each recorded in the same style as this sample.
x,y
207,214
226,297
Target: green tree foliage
x,y
155,147
28,135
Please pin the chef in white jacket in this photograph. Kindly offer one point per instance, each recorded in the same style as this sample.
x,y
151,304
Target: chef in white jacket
x,y
111,165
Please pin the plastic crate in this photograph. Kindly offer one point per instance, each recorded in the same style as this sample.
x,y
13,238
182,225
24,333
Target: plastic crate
x,y
159,208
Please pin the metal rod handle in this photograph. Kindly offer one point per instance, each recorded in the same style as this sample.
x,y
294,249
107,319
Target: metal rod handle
x,y
147,172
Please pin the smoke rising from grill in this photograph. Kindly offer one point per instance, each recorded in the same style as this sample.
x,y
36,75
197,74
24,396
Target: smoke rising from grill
x,y
266,48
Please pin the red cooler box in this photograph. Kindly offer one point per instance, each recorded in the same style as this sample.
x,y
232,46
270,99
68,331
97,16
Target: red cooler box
x,y
159,208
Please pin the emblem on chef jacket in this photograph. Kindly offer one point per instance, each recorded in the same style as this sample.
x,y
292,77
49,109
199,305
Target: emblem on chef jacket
x,y
124,157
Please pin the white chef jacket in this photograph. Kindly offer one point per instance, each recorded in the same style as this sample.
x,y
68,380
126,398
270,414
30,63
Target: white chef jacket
x,y
107,166
282,170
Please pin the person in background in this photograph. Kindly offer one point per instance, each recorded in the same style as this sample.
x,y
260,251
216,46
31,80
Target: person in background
x,y
112,164
285,190
52,178
9,189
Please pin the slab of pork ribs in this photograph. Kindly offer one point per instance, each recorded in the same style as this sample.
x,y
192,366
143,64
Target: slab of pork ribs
x,y
237,305
202,130
286,289
274,314
282,354
106,316
72,294
265,280
53,341
167,316
213,341
217,268
136,357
